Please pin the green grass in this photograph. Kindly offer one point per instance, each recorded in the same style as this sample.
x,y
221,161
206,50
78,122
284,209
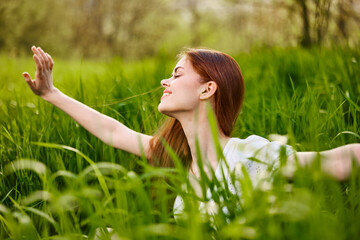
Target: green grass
x,y
59,182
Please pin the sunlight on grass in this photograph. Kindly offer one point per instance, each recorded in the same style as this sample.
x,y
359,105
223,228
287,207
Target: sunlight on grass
x,y
59,182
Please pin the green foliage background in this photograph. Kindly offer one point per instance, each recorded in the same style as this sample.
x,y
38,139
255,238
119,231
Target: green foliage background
x,y
59,182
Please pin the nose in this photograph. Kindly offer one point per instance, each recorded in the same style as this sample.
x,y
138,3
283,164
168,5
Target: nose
x,y
165,82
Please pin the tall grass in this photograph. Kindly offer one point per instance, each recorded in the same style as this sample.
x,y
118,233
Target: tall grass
x,y
59,182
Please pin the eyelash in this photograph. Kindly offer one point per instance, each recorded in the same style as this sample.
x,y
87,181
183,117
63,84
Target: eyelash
x,y
176,76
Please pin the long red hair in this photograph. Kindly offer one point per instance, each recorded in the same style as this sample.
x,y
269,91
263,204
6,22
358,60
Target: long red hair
x,y
214,66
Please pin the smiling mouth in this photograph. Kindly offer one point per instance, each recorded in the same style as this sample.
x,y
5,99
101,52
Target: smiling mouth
x,y
165,95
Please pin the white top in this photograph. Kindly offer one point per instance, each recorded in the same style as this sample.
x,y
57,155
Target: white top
x,y
255,153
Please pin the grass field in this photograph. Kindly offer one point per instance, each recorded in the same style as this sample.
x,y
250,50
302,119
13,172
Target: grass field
x,y
59,182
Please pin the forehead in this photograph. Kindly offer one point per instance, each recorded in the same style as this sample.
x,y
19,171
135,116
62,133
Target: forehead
x,y
183,63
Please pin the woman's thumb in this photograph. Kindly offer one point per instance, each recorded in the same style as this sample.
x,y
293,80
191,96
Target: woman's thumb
x,y
28,79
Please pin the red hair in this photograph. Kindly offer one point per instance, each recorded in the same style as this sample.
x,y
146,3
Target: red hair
x,y
214,66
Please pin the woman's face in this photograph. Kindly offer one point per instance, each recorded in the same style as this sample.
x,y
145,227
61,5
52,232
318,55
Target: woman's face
x,y
182,91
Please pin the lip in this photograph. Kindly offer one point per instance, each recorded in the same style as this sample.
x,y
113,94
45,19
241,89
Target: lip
x,y
167,91
166,94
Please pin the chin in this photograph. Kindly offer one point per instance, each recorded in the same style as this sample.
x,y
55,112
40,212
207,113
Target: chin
x,y
162,109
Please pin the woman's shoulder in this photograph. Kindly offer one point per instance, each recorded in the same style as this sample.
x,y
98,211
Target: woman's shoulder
x,y
255,146
252,141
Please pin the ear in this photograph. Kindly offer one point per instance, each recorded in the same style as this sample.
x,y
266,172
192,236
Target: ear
x,y
208,89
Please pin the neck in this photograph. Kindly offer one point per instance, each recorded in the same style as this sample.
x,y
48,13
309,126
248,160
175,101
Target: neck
x,y
196,127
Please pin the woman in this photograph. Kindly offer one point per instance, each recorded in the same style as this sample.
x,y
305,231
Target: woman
x,y
201,77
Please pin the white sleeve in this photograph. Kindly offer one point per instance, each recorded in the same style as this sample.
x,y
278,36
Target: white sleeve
x,y
262,150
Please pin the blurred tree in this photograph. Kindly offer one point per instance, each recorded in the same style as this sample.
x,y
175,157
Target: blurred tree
x,y
192,7
89,28
345,14
139,28
342,18
26,23
259,22
319,15
125,28
305,38
322,17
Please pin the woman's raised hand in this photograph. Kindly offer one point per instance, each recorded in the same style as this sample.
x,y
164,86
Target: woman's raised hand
x,y
43,82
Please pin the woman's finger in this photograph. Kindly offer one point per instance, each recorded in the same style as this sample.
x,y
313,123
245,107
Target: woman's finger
x,y
45,58
33,48
38,54
51,61
39,66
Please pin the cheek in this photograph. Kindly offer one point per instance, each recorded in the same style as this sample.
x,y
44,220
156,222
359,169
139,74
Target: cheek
x,y
186,94
190,98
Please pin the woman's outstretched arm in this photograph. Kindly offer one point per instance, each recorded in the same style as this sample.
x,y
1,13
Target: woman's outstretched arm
x,y
105,128
336,162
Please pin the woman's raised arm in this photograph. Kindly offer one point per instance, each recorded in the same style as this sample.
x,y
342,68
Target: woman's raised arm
x,y
105,128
